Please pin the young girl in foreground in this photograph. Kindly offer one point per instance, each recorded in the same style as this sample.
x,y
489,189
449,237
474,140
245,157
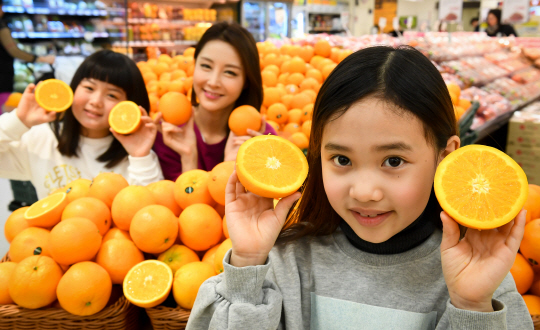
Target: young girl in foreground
x,y
368,249
79,143
227,75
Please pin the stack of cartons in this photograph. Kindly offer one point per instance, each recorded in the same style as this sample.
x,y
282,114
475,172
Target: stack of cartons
x,y
523,143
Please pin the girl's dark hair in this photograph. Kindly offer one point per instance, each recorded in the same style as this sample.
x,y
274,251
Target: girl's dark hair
x,y
115,69
401,76
244,44
497,14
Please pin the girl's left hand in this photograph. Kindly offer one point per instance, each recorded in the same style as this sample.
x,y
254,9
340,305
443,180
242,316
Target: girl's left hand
x,y
234,141
140,142
476,265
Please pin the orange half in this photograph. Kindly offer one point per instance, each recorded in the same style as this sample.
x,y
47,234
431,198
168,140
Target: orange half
x,y
148,283
480,187
125,117
54,95
47,212
271,166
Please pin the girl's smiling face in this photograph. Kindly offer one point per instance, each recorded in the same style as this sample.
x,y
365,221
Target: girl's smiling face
x,y
92,101
219,76
378,168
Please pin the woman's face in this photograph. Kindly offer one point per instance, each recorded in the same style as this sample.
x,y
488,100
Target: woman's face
x,y
92,101
219,77
377,168
492,20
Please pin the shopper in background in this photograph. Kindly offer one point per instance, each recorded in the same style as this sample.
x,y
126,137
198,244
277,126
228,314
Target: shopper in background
x,y
495,28
79,143
475,24
8,52
227,75
368,243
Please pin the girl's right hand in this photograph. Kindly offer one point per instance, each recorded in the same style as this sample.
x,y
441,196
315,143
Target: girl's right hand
x,y
29,111
253,223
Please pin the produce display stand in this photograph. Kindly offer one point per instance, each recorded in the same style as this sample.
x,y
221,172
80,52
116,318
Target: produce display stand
x,y
120,315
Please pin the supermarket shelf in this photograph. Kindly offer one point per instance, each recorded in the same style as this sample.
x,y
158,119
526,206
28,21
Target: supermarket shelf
x,y
162,43
54,11
163,21
326,30
55,35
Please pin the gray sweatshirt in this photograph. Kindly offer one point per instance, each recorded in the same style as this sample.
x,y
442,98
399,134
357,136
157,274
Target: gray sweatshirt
x,y
325,283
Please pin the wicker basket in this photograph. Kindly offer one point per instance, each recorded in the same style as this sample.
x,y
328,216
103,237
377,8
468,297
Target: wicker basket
x,y
168,318
536,321
119,315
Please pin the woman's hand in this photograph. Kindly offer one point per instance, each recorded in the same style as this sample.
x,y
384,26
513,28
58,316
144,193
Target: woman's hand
x,y
29,111
475,266
46,59
253,223
140,142
234,141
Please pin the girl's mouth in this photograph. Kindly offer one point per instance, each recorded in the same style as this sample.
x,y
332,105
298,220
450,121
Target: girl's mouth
x,y
92,114
371,220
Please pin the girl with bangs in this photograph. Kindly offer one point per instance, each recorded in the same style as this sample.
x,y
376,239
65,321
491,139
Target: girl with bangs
x,y
52,149
368,247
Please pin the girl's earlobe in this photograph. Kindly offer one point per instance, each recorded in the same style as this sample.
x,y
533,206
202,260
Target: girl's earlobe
x,y
452,144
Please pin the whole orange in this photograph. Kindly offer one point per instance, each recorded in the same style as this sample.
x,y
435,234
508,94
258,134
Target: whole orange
x,y
116,233
532,205
77,189
271,96
163,192
191,187
309,83
175,107
243,118
90,208
300,140
187,281
533,303
15,223
219,176
106,185
220,254
200,227
315,74
84,289
6,269
74,240
530,244
33,282
322,48
295,116
522,273
278,113
297,65
291,128
295,78
306,128
327,69
300,100
269,78
128,202
177,256
154,229
117,256
210,254
31,241
307,112
306,53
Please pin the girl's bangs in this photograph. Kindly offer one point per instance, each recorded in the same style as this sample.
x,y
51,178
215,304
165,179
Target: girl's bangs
x,y
112,71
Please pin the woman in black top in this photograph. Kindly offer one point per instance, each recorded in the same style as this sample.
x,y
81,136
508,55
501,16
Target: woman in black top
x,y
495,27
8,52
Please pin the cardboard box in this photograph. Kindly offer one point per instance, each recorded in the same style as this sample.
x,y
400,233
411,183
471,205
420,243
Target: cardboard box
x,y
523,143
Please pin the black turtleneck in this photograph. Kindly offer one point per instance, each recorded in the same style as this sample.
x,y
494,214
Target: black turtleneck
x,y
410,237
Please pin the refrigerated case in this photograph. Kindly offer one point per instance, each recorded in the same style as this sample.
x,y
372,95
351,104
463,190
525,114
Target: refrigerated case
x,y
267,19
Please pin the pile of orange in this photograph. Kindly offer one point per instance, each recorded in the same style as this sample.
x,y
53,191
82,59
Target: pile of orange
x,y
526,268
292,76
110,231
460,105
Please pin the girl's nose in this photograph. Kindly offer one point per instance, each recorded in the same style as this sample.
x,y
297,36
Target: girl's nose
x,y
366,191
96,100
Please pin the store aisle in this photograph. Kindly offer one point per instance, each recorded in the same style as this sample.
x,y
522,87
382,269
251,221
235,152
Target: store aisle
x,y
5,198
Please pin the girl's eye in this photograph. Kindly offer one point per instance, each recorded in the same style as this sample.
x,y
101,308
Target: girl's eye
x,y
88,88
342,161
113,96
231,73
394,162
206,66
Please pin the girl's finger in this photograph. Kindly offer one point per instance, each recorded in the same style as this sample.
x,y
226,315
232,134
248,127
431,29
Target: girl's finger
x,y
158,117
263,125
253,133
230,188
240,189
516,233
284,205
450,232
30,88
116,135
143,111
